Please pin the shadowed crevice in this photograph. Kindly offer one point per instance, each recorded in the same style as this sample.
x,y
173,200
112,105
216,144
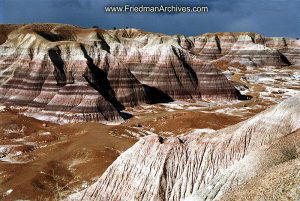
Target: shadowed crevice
x,y
189,70
55,37
103,43
97,78
58,63
241,96
125,115
285,59
155,95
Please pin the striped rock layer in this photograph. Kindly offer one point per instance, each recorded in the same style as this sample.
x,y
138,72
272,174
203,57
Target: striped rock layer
x,y
64,73
202,167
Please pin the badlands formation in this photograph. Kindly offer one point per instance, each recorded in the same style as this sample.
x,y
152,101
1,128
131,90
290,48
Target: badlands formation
x,y
63,73
204,167
91,114
71,74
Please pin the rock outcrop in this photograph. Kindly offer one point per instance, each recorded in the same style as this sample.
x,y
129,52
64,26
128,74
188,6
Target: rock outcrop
x,y
65,73
201,167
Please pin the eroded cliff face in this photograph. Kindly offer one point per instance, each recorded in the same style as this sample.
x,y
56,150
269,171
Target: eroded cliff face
x,y
64,73
202,167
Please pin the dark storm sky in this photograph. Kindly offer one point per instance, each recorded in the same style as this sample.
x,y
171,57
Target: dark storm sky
x,y
269,17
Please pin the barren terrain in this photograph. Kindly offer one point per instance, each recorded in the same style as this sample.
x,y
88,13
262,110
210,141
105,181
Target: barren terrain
x,y
64,123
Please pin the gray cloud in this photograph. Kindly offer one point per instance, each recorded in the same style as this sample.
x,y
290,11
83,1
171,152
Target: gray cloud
x,y
269,17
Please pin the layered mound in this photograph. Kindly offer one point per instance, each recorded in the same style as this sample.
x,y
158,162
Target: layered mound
x,y
64,73
202,167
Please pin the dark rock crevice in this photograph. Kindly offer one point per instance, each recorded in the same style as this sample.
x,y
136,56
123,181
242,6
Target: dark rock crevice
x,y
155,95
58,63
97,78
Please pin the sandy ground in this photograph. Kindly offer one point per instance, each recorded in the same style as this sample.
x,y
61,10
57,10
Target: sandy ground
x,y
48,161
41,161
